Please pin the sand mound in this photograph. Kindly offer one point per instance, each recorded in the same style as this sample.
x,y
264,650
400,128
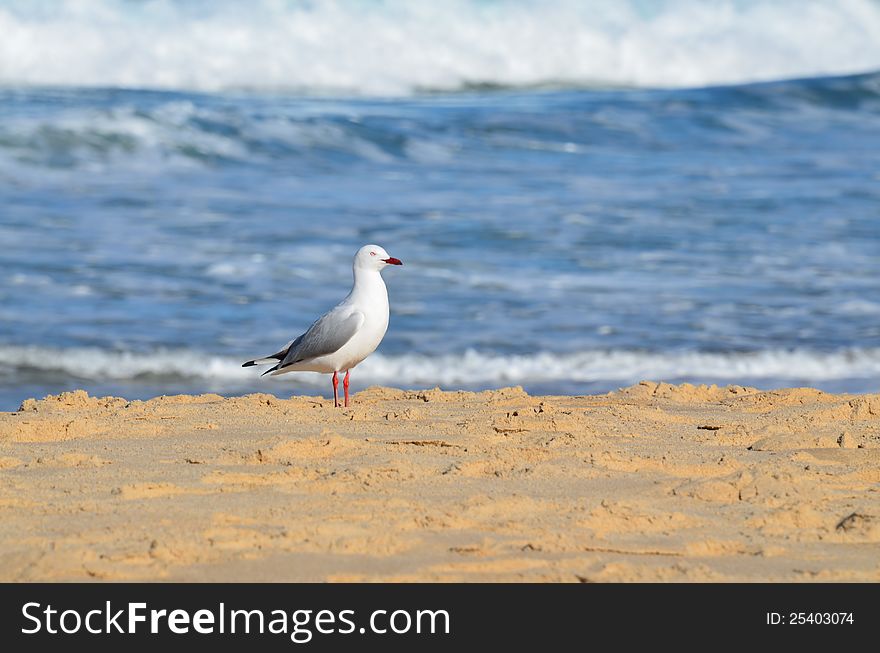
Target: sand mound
x,y
683,393
67,401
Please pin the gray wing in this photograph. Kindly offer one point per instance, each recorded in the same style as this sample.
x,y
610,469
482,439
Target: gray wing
x,y
327,335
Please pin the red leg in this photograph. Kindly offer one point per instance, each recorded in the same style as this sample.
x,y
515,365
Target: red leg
x,y
345,386
335,391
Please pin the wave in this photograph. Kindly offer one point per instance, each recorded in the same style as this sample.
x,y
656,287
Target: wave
x,y
398,47
182,132
148,131
463,369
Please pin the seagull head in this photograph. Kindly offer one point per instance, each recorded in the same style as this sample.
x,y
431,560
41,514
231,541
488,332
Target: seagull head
x,y
374,257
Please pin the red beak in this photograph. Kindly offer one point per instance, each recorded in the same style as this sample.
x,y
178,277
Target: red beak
x,y
393,261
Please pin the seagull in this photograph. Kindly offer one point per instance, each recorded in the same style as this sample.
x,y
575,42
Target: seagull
x,y
345,335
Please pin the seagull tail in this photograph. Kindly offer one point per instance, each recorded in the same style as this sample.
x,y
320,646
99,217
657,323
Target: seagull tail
x,y
276,358
261,361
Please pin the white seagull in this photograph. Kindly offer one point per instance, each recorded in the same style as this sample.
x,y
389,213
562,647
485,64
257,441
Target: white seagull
x,y
347,334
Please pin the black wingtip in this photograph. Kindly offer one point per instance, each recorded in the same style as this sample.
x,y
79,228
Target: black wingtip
x,y
249,364
271,369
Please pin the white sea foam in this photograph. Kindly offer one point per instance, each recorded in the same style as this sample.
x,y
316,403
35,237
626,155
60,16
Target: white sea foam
x,y
468,368
399,46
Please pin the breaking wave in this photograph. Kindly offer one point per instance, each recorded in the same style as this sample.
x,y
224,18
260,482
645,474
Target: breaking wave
x,y
398,47
468,368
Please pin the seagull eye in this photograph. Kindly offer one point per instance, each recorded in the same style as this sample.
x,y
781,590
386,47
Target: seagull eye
x,y
372,253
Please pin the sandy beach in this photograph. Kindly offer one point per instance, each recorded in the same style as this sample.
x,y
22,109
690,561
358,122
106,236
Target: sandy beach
x,y
650,483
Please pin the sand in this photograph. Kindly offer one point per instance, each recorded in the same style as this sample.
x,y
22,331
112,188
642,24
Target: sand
x,y
651,483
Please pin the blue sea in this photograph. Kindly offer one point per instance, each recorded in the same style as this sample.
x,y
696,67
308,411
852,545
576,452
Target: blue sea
x,y
584,195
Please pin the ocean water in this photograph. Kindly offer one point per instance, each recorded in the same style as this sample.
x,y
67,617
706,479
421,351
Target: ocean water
x,y
582,199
